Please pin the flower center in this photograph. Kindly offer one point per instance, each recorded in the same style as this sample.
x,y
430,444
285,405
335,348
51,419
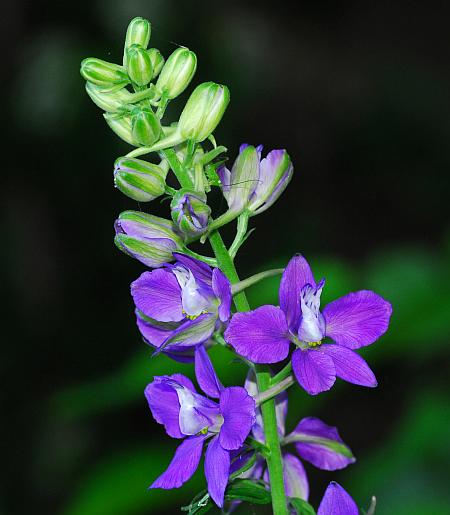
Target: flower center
x,y
315,344
193,302
312,324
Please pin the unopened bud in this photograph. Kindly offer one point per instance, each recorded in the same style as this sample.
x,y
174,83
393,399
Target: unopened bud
x,y
145,127
138,179
139,65
203,111
108,101
190,212
157,61
138,33
148,238
103,73
177,72
121,126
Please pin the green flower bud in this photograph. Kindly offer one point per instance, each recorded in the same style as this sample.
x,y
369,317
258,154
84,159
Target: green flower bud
x,y
157,61
203,111
139,65
190,212
138,33
138,179
109,101
145,127
177,72
103,73
121,126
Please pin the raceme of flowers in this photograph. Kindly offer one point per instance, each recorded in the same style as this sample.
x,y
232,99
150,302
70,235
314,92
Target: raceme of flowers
x,y
184,300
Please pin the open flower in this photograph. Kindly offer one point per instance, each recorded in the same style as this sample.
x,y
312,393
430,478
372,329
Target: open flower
x,y
187,414
179,306
337,501
315,442
355,320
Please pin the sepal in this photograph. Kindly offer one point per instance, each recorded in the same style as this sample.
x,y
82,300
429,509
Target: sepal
x,y
103,73
177,73
139,65
138,33
145,127
138,179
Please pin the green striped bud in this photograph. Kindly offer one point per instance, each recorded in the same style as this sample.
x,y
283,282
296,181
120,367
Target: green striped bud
x,y
145,127
190,212
203,111
139,65
121,126
177,72
109,101
103,73
157,61
138,179
138,33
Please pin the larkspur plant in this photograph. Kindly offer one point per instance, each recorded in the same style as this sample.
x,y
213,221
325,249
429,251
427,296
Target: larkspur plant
x,y
184,303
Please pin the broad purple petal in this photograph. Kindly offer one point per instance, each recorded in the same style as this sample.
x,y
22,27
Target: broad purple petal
x,y
260,335
201,271
163,401
296,275
205,374
350,366
321,444
158,295
357,319
222,290
217,469
314,370
154,334
295,479
337,501
183,464
238,410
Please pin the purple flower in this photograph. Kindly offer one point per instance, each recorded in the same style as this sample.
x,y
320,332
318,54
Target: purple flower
x,y
190,212
187,414
355,320
254,183
337,501
180,306
315,442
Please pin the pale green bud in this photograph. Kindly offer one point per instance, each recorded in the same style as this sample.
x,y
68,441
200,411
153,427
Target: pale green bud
x,y
139,65
157,61
138,179
108,101
177,72
103,73
145,127
190,212
121,126
203,111
138,33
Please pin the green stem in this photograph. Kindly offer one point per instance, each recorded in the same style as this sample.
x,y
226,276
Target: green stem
x,y
282,374
241,234
272,442
250,281
177,168
275,390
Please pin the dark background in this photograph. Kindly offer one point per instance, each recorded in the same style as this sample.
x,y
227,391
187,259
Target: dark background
x,y
358,92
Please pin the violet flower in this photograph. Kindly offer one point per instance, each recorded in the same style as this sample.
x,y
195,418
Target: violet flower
x,y
337,501
355,320
315,442
187,414
180,306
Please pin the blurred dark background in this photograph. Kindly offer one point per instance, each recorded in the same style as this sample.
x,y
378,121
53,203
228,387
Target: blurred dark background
x,y
358,92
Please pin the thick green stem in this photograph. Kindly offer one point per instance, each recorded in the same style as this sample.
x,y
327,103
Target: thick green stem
x,y
263,376
177,168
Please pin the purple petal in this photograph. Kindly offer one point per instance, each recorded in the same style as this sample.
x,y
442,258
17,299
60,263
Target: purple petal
x,y
260,335
337,501
183,464
295,479
158,295
163,401
201,271
217,469
225,178
222,290
314,370
154,334
238,410
357,319
296,275
350,366
205,374
320,444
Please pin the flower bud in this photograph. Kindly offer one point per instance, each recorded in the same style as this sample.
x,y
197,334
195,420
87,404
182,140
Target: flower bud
x,y
138,33
138,179
145,127
190,212
103,73
177,72
139,65
121,126
148,238
109,101
275,172
203,111
157,61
